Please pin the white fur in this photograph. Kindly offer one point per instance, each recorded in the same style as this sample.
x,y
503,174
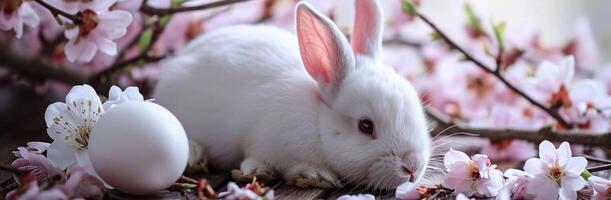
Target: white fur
x,y
244,94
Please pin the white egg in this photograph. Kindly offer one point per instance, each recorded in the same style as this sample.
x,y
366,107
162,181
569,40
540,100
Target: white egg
x,y
139,147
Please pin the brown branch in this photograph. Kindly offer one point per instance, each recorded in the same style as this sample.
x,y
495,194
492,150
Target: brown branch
x,y
445,125
120,65
553,113
168,11
38,69
599,168
592,158
76,19
399,41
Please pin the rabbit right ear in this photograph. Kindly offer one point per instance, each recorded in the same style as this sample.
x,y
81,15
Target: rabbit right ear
x,y
325,52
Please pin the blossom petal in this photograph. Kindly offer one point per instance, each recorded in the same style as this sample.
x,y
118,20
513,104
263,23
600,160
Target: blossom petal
x,y
543,187
72,33
133,94
572,182
510,173
546,80
82,51
113,24
107,46
114,93
84,102
459,178
535,166
28,15
566,193
547,152
567,69
407,190
61,154
599,184
71,8
99,6
38,147
563,153
576,165
452,157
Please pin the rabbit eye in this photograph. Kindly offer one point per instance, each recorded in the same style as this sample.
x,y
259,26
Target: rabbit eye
x,y
366,126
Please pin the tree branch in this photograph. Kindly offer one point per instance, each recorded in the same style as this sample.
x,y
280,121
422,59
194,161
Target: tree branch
x,y
553,113
120,65
76,19
599,168
168,11
446,126
38,69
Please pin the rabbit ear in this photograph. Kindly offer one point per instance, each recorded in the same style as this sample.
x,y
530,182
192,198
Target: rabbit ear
x,y
368,26
325,52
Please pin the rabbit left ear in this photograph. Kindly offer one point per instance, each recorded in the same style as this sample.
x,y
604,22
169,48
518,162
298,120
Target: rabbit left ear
x,y
368,27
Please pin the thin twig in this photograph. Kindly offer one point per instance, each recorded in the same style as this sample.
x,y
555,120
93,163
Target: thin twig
x,y
403,42
76,19
168,11
498,75
592,158
142,57
589,139
599,168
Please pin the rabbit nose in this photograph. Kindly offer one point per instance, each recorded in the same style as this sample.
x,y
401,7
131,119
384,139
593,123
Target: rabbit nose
x,y
408,173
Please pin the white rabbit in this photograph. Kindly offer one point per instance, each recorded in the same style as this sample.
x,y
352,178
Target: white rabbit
x,y
312,108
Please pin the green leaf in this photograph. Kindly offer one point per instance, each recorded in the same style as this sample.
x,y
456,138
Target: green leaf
x,y
409,7
176,2
499,32
586,174
435,36
188,185
165,20
473,19
145,40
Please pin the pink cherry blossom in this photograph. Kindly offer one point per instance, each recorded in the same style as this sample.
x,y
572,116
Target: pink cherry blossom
x,y
30,159
14,14
116,96
589,106
472,176
601,187
408,191
552,81
517,182
34,192
555,172
82,183
97,32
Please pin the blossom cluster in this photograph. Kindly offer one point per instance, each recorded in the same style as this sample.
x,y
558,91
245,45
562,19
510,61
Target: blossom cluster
x,y
62,169
554,175
518,82
93,27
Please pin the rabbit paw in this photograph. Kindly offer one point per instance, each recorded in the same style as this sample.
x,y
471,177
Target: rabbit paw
x,y
309,176
249,169
198,158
